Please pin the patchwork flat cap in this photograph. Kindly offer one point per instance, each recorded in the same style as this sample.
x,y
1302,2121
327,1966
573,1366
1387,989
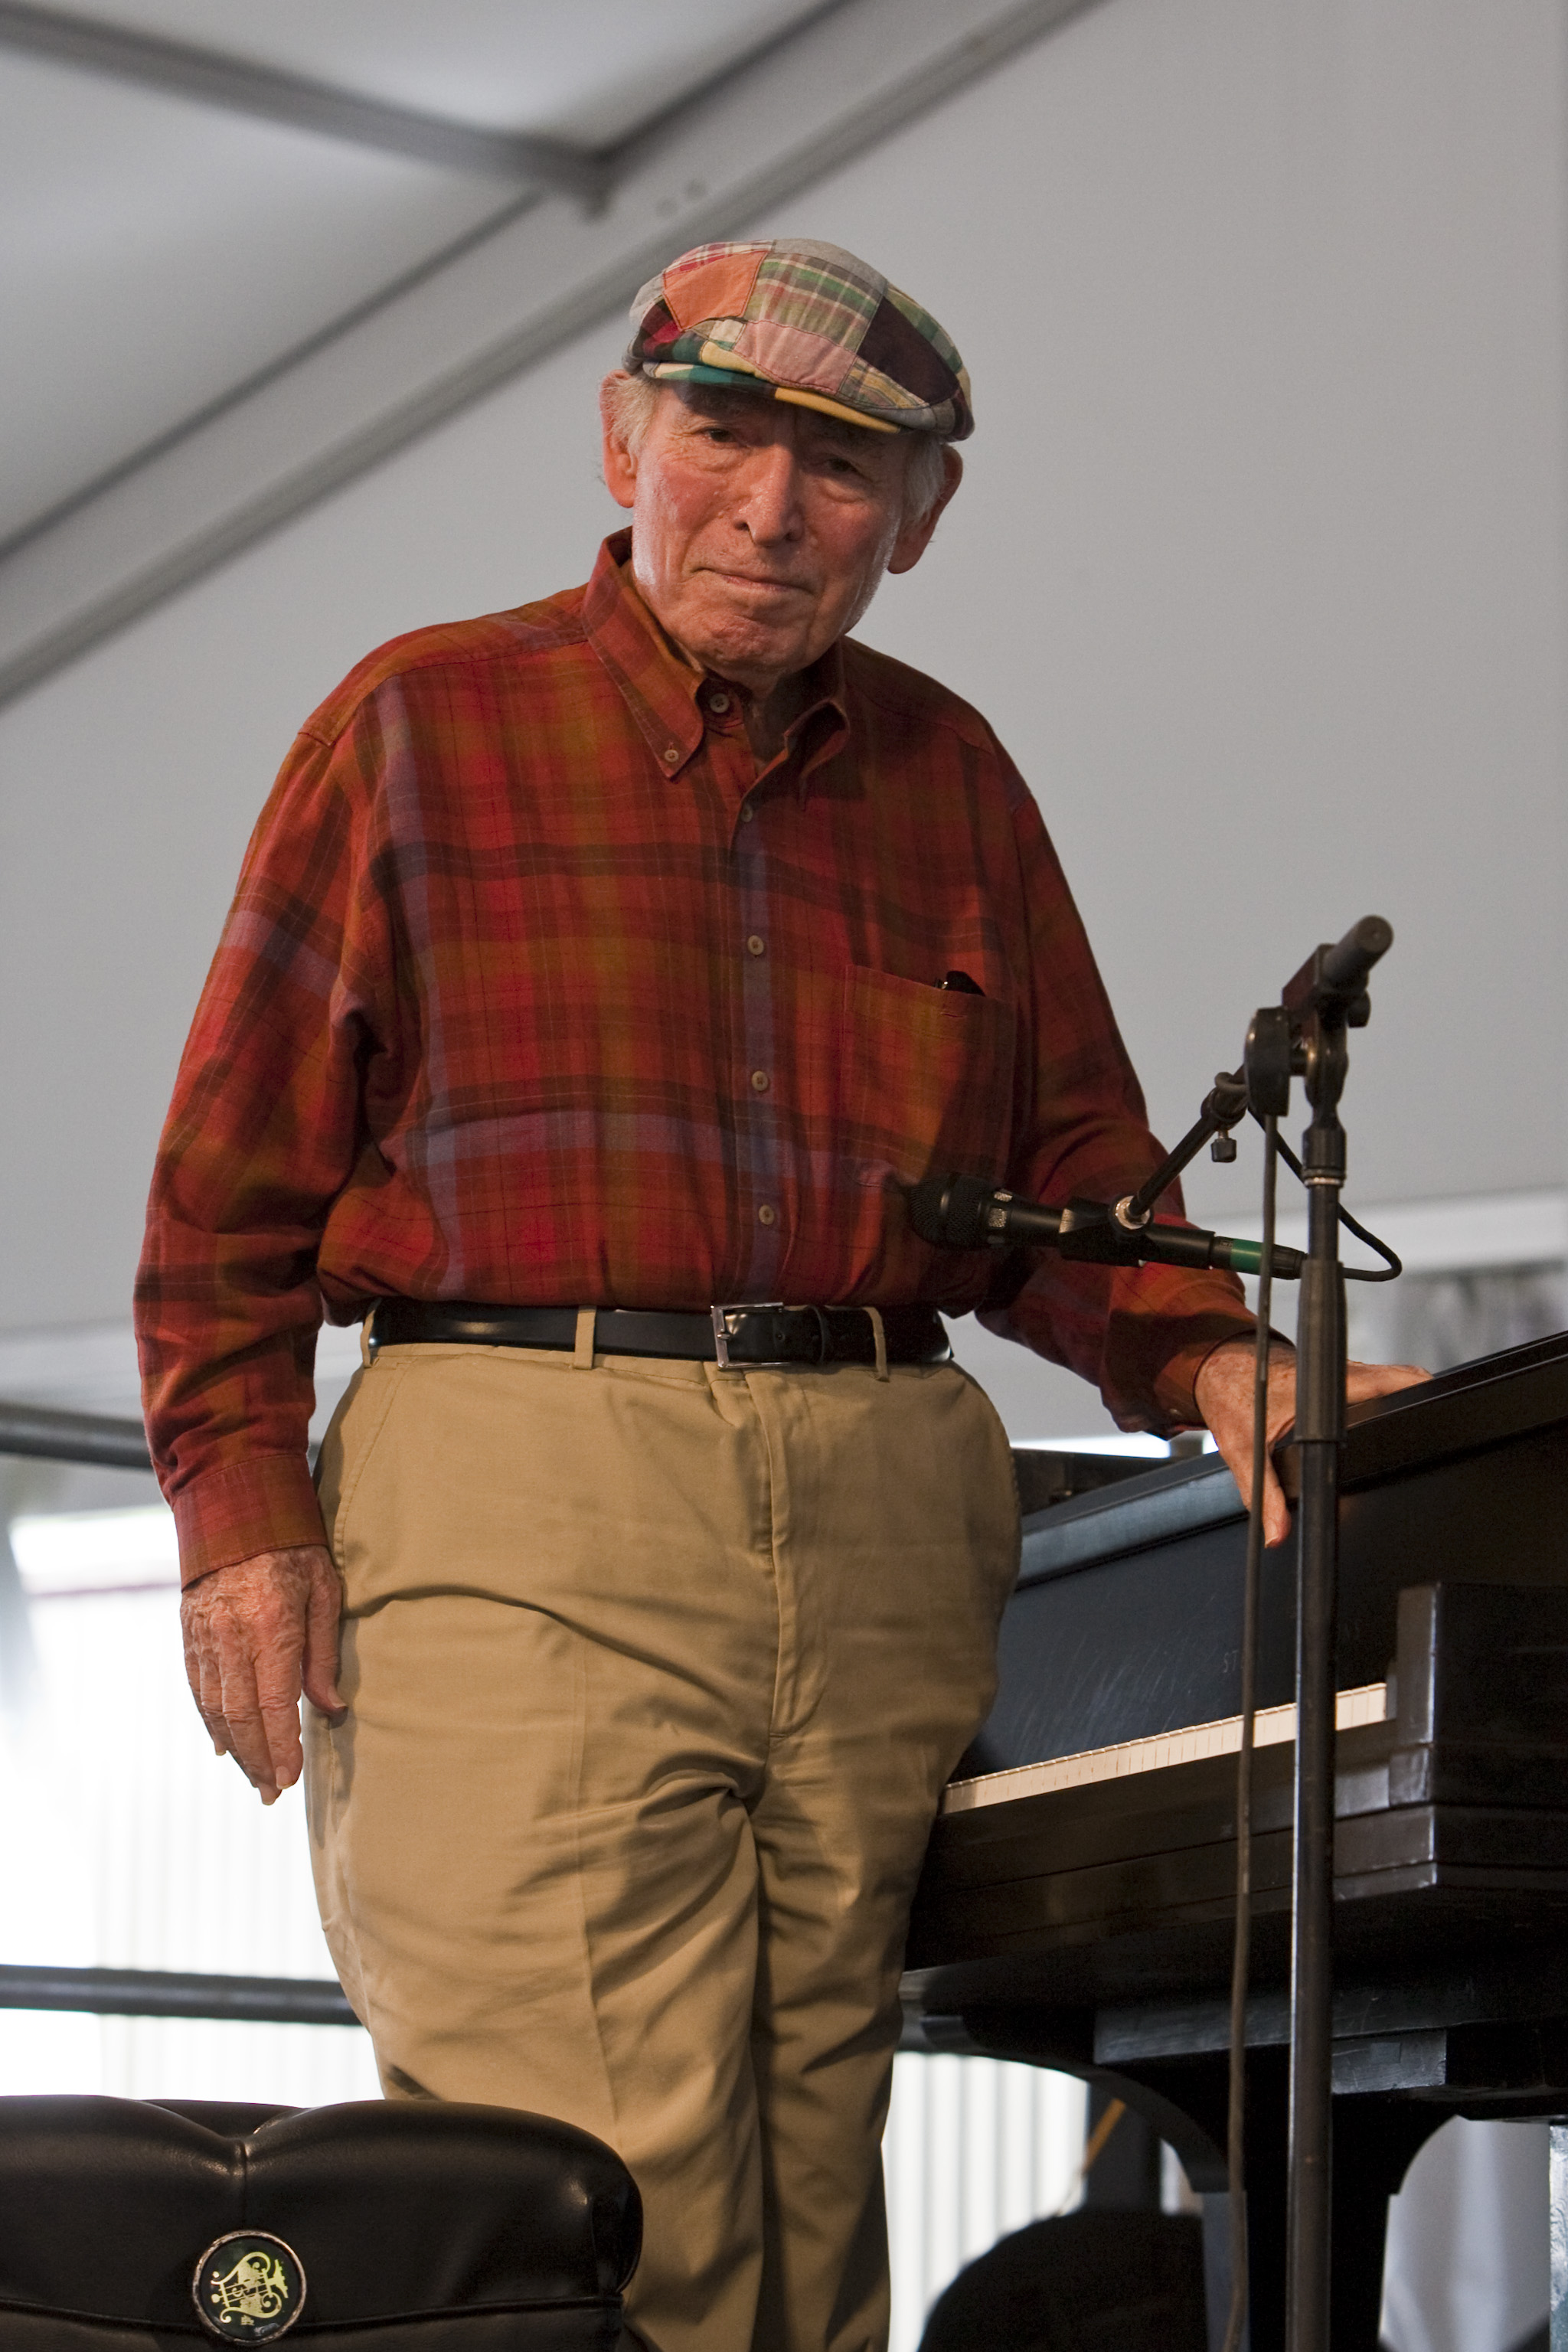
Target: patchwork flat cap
x,y
802,322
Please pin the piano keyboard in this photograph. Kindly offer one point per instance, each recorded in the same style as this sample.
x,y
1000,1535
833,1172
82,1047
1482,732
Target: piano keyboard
x,y
1271,1727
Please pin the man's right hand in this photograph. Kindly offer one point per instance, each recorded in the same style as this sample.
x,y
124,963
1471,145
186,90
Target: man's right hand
x,y
256,1633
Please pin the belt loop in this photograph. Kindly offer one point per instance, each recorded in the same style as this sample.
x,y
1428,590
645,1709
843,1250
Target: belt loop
x,y
880,1339
583,1354
365,1350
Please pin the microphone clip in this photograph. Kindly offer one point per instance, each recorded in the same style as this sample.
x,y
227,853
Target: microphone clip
x,y
1097,1234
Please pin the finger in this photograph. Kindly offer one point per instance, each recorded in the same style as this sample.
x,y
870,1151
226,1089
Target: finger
x,y
1236,1452
1276,1510
1281,1420
321,1621
206,1679
277,1652
190,1635
193,1659
241,1709
277,1701
210,1705
1382,1379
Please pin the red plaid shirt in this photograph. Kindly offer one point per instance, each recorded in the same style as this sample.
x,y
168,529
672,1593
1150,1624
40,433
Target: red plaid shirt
x,y
535,992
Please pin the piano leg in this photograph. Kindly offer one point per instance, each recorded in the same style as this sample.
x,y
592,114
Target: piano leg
x,y
1374,2142
1184,2101
1375,2139
1125,2177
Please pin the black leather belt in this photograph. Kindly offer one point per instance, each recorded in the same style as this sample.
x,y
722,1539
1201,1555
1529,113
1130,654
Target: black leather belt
x,y
751,1336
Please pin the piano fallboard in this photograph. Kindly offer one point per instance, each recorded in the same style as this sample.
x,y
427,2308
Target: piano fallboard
x,y
1126,1622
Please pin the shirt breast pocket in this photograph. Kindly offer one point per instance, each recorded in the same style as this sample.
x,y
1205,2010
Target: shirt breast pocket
x,y
927,1075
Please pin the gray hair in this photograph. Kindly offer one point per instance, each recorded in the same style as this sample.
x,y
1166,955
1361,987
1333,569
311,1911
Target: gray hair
x,y
630,400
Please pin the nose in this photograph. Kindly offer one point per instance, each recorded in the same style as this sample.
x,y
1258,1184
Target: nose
x,y
770,509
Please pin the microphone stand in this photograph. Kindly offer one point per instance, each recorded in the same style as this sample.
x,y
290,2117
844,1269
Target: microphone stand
x,y
1326,997
1304,1036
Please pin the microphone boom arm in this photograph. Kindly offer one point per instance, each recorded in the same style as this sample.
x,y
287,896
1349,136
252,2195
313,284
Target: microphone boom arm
x,y
1092,1233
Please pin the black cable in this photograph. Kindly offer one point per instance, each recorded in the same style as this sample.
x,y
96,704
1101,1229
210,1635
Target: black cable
x,y
1241,1952
1393,1264
1388,1272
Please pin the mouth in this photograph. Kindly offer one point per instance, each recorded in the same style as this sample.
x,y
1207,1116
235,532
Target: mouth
x,y
766,583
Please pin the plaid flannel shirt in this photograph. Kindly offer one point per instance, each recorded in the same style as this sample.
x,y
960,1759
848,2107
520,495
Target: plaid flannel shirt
x,y
535,992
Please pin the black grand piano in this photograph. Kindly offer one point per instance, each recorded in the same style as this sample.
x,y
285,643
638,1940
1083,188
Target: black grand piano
x,y
1077,1905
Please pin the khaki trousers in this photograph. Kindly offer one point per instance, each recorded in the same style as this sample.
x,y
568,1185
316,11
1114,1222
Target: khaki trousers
x,y
655,1672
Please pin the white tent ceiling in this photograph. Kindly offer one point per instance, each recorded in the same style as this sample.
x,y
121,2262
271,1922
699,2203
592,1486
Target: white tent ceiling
x,y
246,252
157,249
587,71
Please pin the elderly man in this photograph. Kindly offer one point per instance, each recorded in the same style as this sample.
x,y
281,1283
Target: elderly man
x,y
597,969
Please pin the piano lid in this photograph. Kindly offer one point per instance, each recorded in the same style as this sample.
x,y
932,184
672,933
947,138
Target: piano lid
x,y
1492,1401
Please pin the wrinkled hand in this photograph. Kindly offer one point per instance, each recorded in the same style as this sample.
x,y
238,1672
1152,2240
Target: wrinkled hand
x,y
258,1633
1224,1393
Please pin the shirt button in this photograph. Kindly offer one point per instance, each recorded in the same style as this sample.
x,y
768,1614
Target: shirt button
x,y
720,702
756,945
672,754
747,813
767,1214
760,1081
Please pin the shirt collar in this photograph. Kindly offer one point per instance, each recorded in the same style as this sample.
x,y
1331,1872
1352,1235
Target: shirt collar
x,y
661,689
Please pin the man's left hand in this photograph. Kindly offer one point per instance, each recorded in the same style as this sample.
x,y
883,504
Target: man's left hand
x,y
1224,1393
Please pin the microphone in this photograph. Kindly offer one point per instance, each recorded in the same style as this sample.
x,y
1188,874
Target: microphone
x,y
1332,981
968,1212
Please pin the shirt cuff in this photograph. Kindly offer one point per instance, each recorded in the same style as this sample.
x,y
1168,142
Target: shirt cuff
x,y
1200,1336
265,1503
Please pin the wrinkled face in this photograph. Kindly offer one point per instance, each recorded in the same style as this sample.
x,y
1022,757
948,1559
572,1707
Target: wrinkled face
x,y
762,529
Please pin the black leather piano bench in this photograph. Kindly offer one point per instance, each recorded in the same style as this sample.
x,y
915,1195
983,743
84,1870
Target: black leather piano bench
x,y
1091,2282
131,2227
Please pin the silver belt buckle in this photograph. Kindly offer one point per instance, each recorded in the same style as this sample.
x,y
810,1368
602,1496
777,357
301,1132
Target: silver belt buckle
x,y
727,1325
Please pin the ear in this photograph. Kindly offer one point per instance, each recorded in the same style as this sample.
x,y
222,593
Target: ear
x,y
915,537
620,465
